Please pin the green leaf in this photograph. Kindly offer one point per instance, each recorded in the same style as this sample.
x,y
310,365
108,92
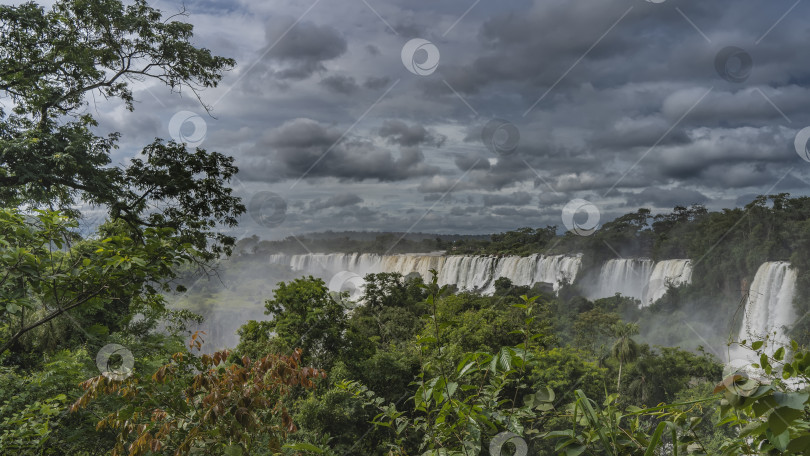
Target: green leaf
x,y
302,446
757,345
656,438
781,418
593,420
799,445
463,369
780,440
794,400
575,450
762,406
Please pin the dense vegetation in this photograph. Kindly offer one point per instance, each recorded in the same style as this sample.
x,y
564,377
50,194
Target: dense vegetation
x,y
415,369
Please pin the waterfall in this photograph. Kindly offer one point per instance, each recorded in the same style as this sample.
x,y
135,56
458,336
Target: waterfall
x,y
666,273
466,271
641,278
770,303
625,276
557,269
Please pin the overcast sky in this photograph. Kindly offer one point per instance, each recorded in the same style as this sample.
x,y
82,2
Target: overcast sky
x,y
621,103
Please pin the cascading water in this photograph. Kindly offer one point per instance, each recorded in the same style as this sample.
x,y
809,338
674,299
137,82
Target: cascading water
x,y
665,274
467,272
770,303
625,276
641,278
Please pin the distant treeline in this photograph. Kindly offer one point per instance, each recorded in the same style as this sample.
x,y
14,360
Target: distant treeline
x,y
355,242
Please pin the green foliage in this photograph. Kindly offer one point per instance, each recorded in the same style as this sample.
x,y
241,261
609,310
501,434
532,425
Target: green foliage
x,y
305,315
769,417
50,154
48,272
624,349
27,429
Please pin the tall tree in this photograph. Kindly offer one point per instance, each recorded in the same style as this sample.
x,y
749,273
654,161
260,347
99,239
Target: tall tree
x,y
305,315
51,62
624,349
163,207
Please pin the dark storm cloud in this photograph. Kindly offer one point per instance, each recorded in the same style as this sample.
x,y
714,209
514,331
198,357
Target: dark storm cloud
x,y
398,132
342,200
372,49
357,214
375,83
514,199
742,200
340,84
305,147
464,210
537,46
467,162
709,147
518,214
633,111
665,198
303,49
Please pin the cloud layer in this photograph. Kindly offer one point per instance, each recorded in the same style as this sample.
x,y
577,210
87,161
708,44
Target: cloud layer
x,y
622,103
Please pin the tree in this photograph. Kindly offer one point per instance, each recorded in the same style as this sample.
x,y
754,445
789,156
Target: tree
x,y
593,329
51,62
163,207
387,289
624,348
305,315
48,272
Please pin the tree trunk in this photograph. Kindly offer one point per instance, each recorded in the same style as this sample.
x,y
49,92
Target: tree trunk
x,y
619,383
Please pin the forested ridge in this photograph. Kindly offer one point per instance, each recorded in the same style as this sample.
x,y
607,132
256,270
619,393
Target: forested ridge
x,y
94,360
